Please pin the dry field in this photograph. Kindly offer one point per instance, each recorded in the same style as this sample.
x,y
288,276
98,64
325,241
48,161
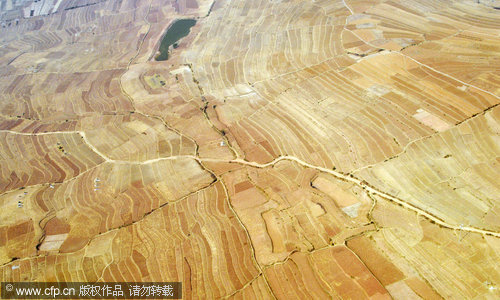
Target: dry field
x,y
290,149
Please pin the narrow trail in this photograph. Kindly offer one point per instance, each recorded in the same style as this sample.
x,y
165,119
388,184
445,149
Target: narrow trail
x,y
91,146
362,184
346,177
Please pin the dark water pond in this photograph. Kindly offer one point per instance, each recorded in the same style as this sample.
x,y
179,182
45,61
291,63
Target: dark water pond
x,y
175,32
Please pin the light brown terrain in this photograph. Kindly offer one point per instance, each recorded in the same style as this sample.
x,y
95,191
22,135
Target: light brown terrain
x,y
292,149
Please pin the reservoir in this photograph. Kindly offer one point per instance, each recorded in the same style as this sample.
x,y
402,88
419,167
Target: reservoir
x,y
176,31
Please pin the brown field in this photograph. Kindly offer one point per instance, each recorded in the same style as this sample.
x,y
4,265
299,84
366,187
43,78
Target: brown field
x,y
296,149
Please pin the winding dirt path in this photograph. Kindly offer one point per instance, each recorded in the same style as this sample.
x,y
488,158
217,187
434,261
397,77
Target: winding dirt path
x,y
364,185
339,175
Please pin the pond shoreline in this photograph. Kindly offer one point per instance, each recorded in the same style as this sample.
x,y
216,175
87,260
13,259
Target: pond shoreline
x,y
179,29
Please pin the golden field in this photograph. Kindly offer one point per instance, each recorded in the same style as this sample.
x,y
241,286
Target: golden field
x,y
292,149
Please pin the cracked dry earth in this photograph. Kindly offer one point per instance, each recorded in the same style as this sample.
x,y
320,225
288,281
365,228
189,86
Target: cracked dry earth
x,y
294,150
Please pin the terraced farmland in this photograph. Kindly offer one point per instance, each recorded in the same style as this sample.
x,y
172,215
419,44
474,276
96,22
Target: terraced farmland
x,y
289,149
